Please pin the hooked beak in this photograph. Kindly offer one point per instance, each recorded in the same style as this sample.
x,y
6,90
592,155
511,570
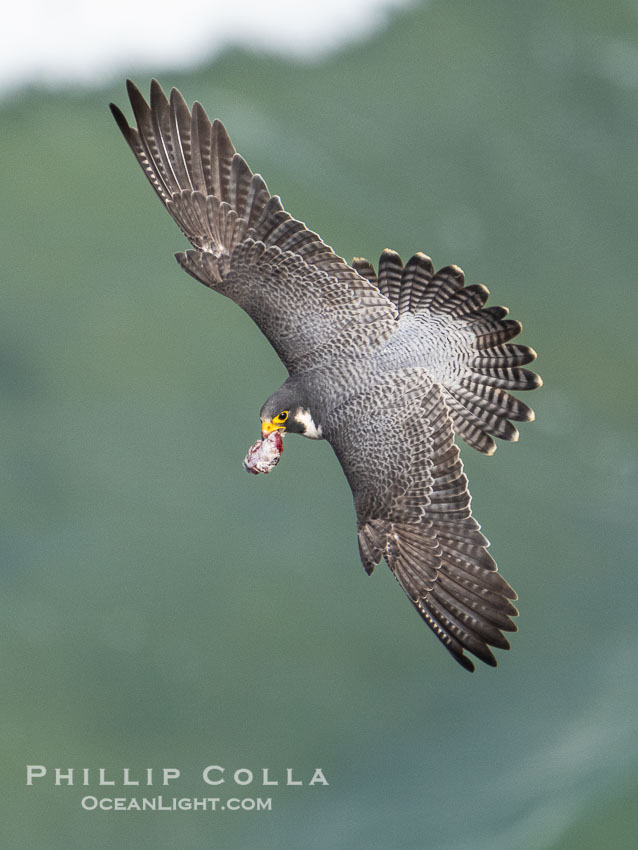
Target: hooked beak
x,y
267,427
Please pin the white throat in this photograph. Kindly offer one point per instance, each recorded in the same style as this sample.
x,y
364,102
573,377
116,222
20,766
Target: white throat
x,y
304,418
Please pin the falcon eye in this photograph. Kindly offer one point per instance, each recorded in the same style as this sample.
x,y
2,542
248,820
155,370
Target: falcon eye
x,y
281,417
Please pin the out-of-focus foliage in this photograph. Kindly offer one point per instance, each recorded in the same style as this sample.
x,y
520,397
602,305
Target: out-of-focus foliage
x,y
164,609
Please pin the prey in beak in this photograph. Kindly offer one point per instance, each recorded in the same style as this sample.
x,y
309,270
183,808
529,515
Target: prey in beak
x,y
264,455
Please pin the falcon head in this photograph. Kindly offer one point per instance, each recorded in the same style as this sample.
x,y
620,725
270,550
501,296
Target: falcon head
x,y
287,411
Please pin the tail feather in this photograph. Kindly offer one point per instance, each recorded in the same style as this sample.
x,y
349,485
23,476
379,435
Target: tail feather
x,y
414,282
465,345
466,301
505,356
505,377
492,420
442,286
468,426
390,272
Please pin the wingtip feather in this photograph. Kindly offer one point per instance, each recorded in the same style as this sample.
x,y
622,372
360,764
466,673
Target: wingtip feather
x,y
177,100
132,90
464,661
120,118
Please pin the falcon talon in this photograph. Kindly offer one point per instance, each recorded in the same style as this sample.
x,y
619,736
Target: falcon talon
x,y
387,364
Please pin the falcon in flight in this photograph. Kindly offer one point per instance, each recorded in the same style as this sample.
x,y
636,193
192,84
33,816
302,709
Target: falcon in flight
x,y
387,365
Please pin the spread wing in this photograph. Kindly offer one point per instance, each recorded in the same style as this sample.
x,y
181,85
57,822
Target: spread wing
x,y
397,450
308,302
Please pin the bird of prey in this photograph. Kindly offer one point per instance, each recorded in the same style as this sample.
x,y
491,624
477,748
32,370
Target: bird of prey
x,y
387,365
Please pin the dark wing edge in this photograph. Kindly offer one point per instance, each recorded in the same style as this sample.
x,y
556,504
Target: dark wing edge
x,y
420,521
484,366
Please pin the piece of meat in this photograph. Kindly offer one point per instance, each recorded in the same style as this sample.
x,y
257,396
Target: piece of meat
x,y
264,454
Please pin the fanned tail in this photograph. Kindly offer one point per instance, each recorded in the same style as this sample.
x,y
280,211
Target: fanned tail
x,y
464,345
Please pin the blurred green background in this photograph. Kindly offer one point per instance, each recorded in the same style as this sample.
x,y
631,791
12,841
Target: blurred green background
x,y
161,608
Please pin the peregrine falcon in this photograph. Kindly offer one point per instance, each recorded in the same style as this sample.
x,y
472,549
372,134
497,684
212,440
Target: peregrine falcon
x,y
387,365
